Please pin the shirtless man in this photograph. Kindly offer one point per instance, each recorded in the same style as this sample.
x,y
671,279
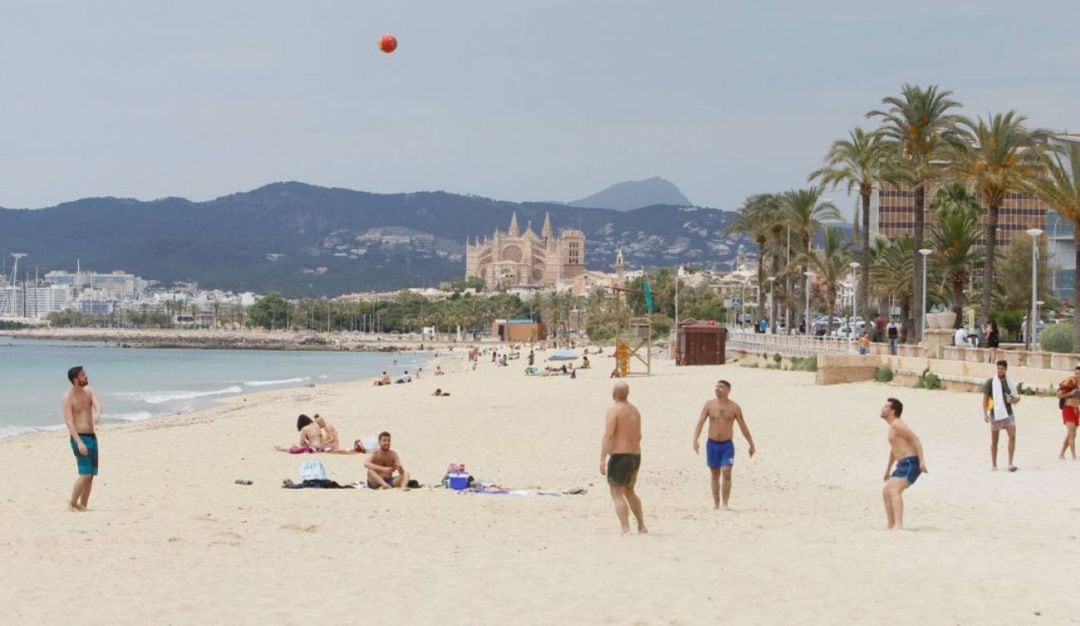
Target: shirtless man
x,y
906,450
381,465
82,410
722,414
620,457
1069,391
329,434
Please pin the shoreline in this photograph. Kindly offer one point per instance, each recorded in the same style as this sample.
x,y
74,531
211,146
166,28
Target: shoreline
x,y
344,341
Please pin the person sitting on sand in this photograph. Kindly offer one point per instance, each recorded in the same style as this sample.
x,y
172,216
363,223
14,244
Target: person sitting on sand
x,y
329,434
382,463
438,370
383,380
440,393
404,379
585,362
311,439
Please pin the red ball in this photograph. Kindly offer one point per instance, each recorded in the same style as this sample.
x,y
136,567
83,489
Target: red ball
x,y
388,43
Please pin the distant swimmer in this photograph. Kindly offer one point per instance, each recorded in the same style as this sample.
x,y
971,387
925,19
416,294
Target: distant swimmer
x,y
722,414
906,451
620,457
82,409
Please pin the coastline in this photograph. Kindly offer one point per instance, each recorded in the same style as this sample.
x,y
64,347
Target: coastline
x,y
248,339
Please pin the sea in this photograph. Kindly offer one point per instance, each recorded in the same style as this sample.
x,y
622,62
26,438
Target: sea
x,y
143,383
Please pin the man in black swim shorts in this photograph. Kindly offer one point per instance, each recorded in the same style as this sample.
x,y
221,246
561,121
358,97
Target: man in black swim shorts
x,y
620,457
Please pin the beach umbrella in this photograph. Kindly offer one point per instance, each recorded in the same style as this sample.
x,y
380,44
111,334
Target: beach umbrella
x,y
562,355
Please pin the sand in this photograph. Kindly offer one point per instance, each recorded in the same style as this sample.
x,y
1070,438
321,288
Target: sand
x,y
171,539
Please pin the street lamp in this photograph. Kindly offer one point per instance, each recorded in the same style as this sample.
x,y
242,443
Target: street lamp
x,y
772,312
854,265
925,252
808,274
1033,319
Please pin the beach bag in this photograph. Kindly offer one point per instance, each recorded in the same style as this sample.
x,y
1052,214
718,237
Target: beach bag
x,y
313,470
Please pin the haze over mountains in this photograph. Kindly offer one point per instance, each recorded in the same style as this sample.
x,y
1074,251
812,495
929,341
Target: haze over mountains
x,y
305,240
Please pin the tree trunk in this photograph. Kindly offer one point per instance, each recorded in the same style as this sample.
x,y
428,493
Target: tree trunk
x,y
916,289
1076,290
775,271
991,252
864,284
958,301
760,279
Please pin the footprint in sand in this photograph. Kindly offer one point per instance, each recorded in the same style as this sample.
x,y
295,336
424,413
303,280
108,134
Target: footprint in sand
x,y
301,528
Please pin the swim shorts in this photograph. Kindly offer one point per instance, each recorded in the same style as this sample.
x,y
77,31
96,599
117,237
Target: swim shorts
x,y
88,465
1070,415
996,425
908,469
720,453
622,469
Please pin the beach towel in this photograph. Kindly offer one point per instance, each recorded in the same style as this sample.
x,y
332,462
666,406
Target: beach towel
x,y
312,470
301,449
316,484
1001,394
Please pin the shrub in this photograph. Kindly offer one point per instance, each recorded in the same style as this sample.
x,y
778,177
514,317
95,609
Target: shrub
x,y
1057,338
804,364
777,358
883,374
928,380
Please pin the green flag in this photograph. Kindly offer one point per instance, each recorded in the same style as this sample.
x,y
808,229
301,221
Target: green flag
x,y
648,297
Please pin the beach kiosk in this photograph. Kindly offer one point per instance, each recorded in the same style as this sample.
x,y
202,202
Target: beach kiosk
x,y
701,343
518,330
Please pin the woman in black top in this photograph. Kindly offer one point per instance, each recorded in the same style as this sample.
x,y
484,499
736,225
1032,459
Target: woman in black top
x,y
993,338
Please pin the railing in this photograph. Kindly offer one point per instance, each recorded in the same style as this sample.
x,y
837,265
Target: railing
x,y
787,345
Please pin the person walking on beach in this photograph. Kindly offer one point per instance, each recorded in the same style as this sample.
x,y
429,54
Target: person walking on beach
x,y
82,409
998,397
722,414
893,333
1069,396
382,464
906,451
620,457
993,339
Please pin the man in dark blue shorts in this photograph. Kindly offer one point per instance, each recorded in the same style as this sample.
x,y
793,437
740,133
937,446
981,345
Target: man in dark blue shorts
x,y
722,414
82,410
906,451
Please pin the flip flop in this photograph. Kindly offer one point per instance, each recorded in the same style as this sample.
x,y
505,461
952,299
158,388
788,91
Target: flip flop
x,y
1013,469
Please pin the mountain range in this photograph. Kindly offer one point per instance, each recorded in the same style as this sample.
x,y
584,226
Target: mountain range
x,y
304,240
634,195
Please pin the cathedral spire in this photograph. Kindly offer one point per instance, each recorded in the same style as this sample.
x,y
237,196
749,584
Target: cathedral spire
x,y
546,232
514,232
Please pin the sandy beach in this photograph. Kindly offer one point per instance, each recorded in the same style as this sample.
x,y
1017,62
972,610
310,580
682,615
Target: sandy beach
x,y
171,539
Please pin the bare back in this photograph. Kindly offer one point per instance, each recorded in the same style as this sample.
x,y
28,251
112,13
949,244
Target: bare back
x,y
311,435
722,415
78,403
901,440
627,436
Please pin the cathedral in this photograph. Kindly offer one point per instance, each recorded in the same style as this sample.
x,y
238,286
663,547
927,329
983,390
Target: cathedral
x,y
514,258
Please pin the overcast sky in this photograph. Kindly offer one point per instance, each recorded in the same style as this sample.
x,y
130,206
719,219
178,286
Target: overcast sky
x,y
516,100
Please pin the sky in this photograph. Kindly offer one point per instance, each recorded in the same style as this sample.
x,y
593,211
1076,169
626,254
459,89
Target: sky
x,y
508,99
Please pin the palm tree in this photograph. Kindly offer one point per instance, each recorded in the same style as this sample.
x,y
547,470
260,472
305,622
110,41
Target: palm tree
x,y
756,217
830,264
856,162
954,236
1000,158
803,211
1059,188
891,271
916,128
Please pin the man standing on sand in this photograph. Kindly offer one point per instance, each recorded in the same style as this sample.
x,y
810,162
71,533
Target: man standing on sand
x,y
722,414
620,457
906,450
82,410
381,465
1069,396
999,395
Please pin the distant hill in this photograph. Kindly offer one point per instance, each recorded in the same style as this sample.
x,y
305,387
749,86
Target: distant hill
x,y
634,195
305,240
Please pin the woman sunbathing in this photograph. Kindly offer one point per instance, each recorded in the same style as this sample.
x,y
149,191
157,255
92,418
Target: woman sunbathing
x,y
311,439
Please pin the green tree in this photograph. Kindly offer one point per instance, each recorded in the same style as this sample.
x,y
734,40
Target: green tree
x,y
954,236
1000,157
804,211
917,127
756,218
1059,188
830,265
856,163
891,270
271,311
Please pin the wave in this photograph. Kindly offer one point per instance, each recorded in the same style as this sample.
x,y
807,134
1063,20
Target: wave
x,y
12,431
137,416
161,397
284,381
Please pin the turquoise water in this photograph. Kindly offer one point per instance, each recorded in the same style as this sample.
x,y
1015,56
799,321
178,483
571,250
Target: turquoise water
x,y
136,384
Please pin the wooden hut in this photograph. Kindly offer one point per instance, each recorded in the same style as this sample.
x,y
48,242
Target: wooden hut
x,y
701,343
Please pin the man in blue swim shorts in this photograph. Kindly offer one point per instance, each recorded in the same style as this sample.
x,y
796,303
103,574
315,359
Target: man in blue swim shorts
x,y
906,451
722,414
82,410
